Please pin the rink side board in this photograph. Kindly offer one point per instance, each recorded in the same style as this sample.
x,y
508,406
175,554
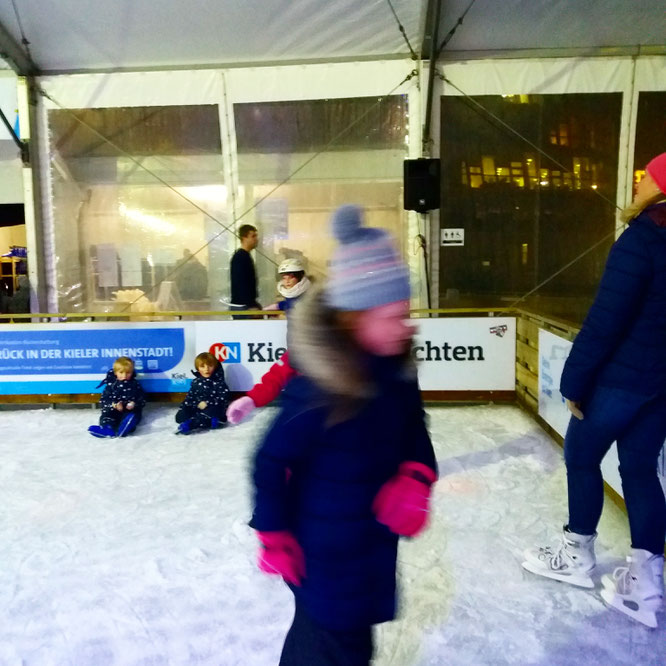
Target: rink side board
x,y
553,352
467,356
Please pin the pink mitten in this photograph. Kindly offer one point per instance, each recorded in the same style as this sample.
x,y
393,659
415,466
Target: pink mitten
x,y
402,502
239,409
281,554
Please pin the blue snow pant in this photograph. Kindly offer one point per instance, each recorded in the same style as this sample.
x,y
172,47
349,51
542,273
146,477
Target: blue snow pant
x,y
638,424
201,418
112,417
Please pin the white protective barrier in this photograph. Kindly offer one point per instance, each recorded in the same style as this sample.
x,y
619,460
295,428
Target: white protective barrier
x,y
476,353
553,353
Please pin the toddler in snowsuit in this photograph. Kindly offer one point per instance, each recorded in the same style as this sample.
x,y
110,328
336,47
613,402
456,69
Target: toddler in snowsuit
x,y
122,401
206,402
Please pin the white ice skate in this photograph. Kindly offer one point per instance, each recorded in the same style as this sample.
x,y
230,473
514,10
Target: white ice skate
x,y
570,562
637,590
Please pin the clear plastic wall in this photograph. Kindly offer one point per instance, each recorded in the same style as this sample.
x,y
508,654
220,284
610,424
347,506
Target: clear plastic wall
x,y
139,208
299,160
141,211
532,199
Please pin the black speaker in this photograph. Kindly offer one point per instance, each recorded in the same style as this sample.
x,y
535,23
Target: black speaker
x,y
421,180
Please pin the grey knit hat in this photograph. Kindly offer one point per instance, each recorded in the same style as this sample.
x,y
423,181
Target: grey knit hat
x,y
366,270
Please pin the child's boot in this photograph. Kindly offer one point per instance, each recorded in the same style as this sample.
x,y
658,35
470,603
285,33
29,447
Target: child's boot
x,y
185,428
101,431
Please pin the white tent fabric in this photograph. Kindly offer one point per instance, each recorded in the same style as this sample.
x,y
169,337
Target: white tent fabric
x,y
97,35
124,34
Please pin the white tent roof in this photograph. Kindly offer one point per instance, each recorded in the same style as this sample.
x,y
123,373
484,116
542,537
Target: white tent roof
x,y
99,35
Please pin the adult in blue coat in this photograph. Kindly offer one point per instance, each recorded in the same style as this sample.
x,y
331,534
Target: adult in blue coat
x,y
614,382
347,465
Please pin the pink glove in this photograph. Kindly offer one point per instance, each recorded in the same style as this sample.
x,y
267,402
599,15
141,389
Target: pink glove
x,y
239,409
272,306
402,502
281,554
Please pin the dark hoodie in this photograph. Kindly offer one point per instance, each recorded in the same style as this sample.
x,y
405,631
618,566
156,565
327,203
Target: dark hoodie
x,y
127,390
622,342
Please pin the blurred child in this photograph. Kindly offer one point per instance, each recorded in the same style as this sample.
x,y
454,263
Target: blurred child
x,y
347,465
122,401
263,392
292,285
206,402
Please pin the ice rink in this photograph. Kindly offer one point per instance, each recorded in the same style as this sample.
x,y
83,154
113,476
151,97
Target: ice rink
x,y
137,552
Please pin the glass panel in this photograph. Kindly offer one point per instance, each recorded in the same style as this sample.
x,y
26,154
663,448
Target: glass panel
x,y
139,209
650,130
299,160
539,213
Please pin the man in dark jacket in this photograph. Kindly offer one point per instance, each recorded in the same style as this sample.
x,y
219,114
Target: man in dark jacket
x,y
243,274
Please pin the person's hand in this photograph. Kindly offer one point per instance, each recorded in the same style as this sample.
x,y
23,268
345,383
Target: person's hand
x,y
281,554
272,306
239,409
202,405
130,405
402,503
574,408
118,406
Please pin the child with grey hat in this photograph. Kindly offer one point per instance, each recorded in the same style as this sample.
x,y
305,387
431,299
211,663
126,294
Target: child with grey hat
x,y
336,481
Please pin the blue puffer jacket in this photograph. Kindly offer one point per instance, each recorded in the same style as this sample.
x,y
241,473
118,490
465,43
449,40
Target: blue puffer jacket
x,y
336,473
622,343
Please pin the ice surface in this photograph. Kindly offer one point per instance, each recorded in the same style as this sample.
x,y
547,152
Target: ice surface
x,y
136,551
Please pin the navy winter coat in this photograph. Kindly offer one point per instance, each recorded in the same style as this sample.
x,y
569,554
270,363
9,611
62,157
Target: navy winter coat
x,y
212,390
336,472
622,343
128,390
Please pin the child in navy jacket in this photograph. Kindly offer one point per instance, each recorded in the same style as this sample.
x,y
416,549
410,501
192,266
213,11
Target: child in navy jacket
x,y
347,466
122,401
207,400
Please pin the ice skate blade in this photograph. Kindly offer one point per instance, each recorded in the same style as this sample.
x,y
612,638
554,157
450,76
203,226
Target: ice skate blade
x,y
579,580
629,607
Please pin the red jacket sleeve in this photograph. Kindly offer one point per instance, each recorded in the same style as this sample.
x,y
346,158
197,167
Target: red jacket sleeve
x,y
272,382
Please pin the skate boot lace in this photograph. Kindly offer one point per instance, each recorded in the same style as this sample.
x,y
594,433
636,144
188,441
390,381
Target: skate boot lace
x,y
559,558
623,580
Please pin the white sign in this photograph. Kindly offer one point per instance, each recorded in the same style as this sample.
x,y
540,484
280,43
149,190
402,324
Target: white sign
x,y
466,354
553,352
247,349
452,237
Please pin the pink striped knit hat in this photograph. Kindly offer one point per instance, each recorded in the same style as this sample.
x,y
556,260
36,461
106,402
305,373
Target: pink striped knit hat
x,y
366,270
656,167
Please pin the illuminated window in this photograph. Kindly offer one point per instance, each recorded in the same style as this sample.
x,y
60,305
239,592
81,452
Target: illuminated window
x,y
544,177
556,179
488,166
564,135
503,174
517,176
475,178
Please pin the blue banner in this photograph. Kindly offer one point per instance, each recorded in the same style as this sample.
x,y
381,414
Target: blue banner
x,y
89,351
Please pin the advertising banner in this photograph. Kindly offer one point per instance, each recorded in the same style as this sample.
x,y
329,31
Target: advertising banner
x,y
474,353
74,358
466,354
553,352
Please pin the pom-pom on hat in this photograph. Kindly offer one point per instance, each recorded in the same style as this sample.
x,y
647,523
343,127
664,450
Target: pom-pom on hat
x,y
366,270
656,167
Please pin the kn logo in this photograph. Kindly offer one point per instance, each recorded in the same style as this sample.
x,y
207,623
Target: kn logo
x,y
226,352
